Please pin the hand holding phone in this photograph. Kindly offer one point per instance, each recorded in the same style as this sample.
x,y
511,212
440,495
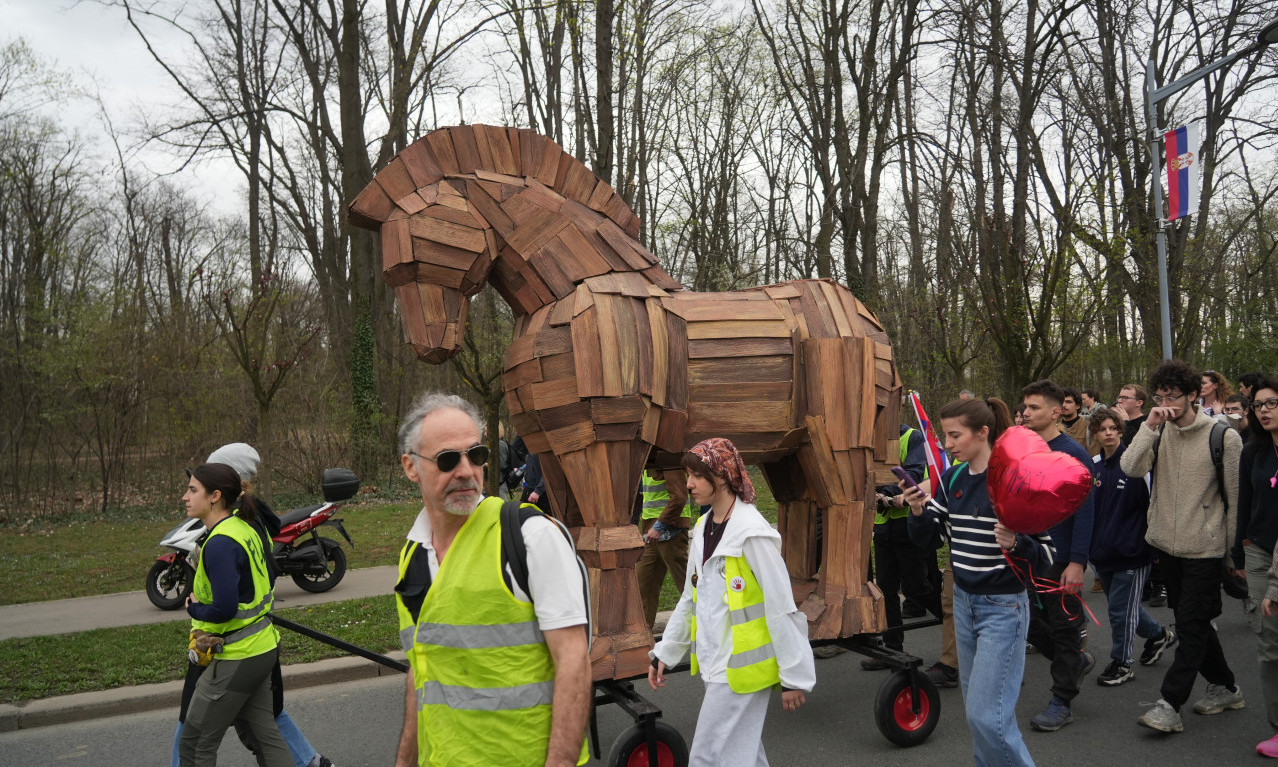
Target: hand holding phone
x,y
905,477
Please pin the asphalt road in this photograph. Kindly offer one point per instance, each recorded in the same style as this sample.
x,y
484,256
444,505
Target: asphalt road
x,y
356,723
132,608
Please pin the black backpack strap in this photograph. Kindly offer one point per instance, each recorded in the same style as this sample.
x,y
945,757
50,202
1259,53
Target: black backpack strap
x,y
1217,442
514,552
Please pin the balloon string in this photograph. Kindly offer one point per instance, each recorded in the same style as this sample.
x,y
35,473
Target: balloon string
x,y
1043,586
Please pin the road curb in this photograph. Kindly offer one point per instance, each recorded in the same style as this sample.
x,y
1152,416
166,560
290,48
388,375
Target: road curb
x,y
99,704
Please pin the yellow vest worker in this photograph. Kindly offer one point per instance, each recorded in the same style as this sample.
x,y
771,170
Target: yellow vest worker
x,y
483,673
250,632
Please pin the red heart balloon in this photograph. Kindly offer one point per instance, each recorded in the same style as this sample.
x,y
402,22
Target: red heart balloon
x,y
1033,487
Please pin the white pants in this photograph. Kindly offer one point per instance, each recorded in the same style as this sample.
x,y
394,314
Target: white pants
x,y
730,728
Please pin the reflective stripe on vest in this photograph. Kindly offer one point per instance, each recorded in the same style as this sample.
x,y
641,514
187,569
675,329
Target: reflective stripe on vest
x,y
752,664
250,632
656,496
483,673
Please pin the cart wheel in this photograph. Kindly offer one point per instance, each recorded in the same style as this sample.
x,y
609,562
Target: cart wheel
x,y
630,749
894,709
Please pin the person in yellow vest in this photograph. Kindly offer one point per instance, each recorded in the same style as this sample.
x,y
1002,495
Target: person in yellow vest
x,y
231,600
736,616
499,676
664,518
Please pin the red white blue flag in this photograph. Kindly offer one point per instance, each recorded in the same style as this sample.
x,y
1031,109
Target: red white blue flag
x,y
1182,147
937,460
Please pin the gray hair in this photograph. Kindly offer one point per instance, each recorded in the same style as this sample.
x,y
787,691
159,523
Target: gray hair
x,y
410,430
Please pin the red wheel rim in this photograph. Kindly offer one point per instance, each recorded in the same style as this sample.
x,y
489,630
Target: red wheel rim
x,y
902,711
639,757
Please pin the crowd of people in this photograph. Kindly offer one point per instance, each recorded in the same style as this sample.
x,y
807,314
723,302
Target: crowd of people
x,y
1184,501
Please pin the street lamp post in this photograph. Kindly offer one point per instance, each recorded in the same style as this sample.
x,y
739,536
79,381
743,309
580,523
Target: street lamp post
x,y
1153,96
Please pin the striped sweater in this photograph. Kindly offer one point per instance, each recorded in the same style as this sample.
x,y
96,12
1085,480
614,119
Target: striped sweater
x,y
961,512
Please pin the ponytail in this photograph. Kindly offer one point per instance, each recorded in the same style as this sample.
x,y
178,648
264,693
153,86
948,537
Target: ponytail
x,y
975,414
248,508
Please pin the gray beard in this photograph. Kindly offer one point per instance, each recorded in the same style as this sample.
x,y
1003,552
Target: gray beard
x,y
460,508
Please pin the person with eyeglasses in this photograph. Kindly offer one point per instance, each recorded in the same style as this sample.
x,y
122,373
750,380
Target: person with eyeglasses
x,y
1236,409
1130,405
499,675
1257,539
1191,524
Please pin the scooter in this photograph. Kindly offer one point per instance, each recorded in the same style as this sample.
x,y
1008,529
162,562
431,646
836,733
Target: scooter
x,y
315,563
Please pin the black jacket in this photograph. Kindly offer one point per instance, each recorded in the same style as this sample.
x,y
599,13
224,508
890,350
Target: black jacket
x,y
1120,523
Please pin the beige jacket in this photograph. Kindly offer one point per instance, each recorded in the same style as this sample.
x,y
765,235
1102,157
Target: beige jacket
x,y
1186,515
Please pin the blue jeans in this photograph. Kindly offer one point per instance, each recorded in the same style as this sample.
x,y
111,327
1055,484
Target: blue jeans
x,y
990,630
1127,619
298,745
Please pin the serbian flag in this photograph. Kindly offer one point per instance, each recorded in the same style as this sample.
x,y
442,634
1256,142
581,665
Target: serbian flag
x,y
937,460
1182,171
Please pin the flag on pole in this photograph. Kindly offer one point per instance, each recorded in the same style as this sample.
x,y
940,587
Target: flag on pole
x,y
937,460
1182,147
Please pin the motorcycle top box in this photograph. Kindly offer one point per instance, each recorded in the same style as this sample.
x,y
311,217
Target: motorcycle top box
x,y
339,484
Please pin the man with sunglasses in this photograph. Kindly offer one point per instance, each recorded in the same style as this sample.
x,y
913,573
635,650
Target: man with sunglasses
x,y
499,676
1191,524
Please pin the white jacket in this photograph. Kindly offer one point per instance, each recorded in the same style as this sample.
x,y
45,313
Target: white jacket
x,y
747,534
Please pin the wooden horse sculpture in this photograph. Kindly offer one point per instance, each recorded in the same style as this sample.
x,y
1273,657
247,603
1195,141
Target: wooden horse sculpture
x,y
614,365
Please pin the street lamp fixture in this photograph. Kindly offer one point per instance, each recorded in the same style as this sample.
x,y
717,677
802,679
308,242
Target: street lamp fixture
x,y
1153,96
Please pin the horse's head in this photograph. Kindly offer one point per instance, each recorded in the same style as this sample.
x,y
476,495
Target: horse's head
x,y
474,203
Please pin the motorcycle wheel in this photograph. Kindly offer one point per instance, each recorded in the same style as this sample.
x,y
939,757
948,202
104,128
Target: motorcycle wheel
x,y
334,570
169,583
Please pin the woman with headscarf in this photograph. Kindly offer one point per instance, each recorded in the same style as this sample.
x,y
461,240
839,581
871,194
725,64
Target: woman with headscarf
x,y
736,615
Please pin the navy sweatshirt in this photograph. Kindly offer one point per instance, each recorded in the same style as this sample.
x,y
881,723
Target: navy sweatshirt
x,y
1257,499
1122,506
965,516
227,566
1072,537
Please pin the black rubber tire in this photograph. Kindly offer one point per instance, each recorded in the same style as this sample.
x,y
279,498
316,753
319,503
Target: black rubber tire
x,y
178,582
892,709
335,559
672,751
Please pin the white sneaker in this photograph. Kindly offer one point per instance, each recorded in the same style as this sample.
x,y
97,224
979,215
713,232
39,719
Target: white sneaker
x,y
1219,698
1162,717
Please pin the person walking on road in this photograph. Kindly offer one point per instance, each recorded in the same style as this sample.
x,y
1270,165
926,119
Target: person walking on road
x,y
1191,524
500,674
230,605
736,616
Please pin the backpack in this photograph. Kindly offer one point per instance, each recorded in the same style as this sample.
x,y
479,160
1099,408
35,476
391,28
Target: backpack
x,y
1217,448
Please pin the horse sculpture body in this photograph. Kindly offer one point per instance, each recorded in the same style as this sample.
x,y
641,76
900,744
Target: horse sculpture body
x,y
614,365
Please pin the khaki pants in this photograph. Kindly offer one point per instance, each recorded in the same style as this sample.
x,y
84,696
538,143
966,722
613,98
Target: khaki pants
x,y
229,690
657,559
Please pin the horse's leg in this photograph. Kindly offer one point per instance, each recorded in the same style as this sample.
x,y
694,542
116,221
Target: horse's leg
x,y
603,478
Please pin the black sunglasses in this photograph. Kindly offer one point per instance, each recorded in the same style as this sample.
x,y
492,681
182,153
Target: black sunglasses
x,y
447,460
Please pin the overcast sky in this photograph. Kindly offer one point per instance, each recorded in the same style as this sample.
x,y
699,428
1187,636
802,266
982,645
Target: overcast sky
x,y
96,45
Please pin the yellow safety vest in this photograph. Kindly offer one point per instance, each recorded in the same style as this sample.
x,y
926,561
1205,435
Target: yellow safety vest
x,y
656,496
250,632
485,678
880,518
752,666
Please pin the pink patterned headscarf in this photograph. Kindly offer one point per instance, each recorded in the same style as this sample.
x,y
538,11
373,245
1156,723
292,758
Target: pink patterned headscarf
x,y
723,460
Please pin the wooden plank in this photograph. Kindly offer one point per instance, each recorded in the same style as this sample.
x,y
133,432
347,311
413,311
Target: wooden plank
x,y
781,291
629,409
513,136
552,394
440,275
411,203
586,350
742,417
523,374
462,216
606,307
432,298
575,181
438,254
583,299
563,416
651,426
467,148
410,308
487,207
503,159
739,347
623,243
741,392
394,179
860,363
561,313
834,302
738,329
397,253
549,166
532,233
670,432
420,163
660,352
536,442
732,370
626,351
616,432
553,340
736,310
446,233
441,146
543,196
643,338
677,367
531,146
547,268
558,366
575,255
570,438
520,350
371,207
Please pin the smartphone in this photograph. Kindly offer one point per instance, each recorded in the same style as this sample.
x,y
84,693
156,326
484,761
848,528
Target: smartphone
x,y
905,477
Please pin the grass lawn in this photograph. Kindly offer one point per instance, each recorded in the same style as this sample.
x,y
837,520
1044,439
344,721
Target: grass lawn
x,y
103,659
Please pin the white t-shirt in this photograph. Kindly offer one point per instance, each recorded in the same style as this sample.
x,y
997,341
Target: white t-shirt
x,y
555,576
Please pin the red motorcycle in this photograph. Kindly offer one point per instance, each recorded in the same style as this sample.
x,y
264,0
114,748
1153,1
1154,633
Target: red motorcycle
x,y
315,563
